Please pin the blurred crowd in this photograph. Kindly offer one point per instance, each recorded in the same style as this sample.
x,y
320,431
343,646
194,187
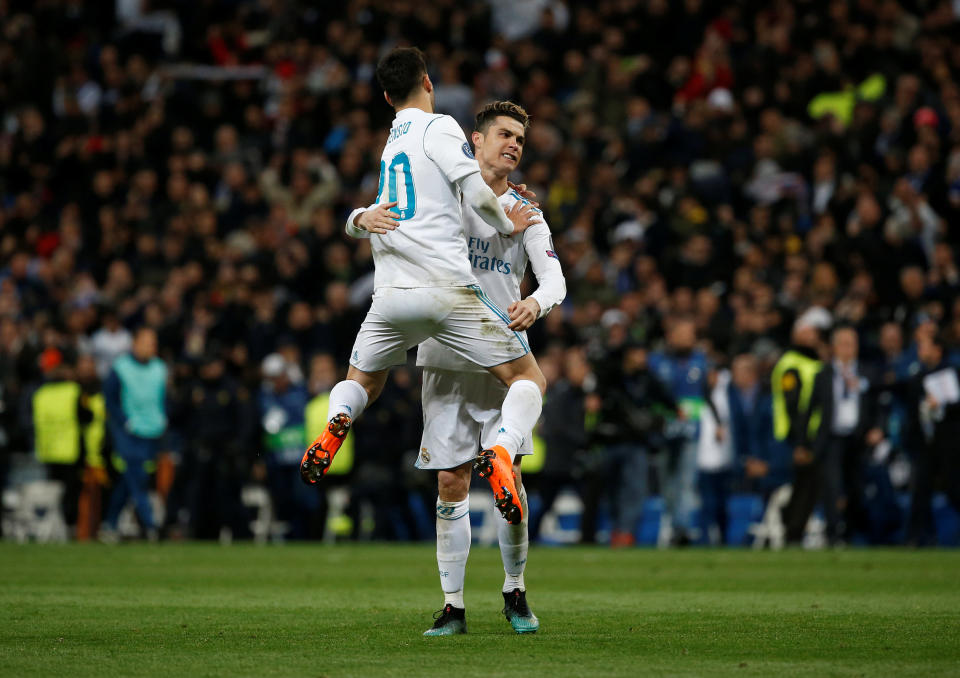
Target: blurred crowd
x,y
727,183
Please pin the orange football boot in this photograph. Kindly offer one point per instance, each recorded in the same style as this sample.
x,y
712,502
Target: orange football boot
x,y
496,467
318,457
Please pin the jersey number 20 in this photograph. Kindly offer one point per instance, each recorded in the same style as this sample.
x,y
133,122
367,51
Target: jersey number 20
x,y
399,171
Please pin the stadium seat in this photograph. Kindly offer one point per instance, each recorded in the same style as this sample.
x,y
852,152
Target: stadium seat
x,y
902,499
743,510
561,524
648,531
256,498
946,521
423,516
771,531
339,524
36,514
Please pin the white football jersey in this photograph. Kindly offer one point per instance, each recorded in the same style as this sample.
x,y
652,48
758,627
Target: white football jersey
x,y
499,264
424,158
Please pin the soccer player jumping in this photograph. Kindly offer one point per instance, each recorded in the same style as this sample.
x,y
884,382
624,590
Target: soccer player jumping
x,y
424,285
461,401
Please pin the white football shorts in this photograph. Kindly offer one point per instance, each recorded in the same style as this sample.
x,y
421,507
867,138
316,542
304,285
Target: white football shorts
x,y
461,416
461,318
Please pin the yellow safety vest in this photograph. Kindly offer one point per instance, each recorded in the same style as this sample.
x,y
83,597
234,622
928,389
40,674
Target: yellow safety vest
x,y
95,432
55,424
533,463
842,104
782,380
316,419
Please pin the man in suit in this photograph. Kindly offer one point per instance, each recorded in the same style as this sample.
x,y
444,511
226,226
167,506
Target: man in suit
x,y
934,415
765,462
842,392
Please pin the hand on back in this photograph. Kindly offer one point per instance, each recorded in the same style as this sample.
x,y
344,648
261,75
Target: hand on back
x,y
380,219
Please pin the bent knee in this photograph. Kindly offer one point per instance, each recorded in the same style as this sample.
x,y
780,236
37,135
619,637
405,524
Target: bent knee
x,y
372,382
535,376
540,381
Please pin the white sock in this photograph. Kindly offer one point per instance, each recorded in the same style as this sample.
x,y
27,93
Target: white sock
x,y
347,396
519,414
513,547
453,547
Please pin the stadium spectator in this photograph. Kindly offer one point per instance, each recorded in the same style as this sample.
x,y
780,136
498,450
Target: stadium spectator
x,y
282,405
764,462
381,480
219,416
110,342
136,403
792,385
683,369
635,405
934,410
96,454
56,417
567,416
844,394
715,458
6,428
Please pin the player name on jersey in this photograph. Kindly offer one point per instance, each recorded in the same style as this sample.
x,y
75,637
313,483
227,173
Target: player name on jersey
x,y
399,131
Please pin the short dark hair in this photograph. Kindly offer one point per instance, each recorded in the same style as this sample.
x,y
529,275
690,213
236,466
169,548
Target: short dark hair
x,y
940,340
400,72
843,327
494,110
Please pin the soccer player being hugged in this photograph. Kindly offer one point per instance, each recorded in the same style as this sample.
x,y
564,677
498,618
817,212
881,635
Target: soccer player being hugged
x,y
461,401
424,283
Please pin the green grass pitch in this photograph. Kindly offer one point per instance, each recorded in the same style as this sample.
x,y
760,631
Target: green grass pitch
x,y
359,610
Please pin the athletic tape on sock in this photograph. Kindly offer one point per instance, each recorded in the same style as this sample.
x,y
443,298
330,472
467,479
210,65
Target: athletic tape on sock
x,y
452,510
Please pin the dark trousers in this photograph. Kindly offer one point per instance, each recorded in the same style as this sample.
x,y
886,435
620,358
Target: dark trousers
x,y
935,466
547,484
70,476
620,474
835,477
134,479
806,490
630,463
591,488
714,487
842,482
303,507
207,489
3,479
